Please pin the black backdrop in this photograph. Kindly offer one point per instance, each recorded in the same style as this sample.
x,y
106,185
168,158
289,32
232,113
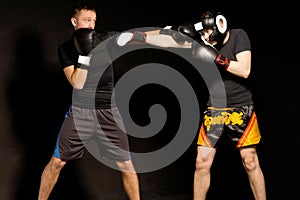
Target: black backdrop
x,y
35,96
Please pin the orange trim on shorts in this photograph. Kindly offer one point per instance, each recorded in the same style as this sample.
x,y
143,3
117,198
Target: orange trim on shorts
x,y
251,135
203,139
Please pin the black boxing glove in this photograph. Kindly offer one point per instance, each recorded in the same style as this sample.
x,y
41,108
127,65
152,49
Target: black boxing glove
x,y
127,37
85,40
185,33
209,54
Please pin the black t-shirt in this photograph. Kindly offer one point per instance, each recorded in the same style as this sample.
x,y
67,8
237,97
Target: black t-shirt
x,y
237,88
98,88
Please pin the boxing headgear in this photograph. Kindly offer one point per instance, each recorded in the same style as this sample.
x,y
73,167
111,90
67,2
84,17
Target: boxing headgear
x,y
212,20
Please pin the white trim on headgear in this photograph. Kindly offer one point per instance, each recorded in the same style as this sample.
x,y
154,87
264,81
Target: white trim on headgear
x,y
218,19
198,26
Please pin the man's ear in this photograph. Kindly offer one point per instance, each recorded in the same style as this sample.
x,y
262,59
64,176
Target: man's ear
x,y
74,21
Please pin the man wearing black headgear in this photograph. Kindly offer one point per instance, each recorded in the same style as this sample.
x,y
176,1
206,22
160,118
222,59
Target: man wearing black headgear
x,y
230,50
231,119
217,23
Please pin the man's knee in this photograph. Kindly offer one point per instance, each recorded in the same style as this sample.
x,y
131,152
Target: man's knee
x,y
125,166
204,158
250,164
56,163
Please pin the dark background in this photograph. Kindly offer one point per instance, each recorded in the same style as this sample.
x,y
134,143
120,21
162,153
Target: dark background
x,y
34,96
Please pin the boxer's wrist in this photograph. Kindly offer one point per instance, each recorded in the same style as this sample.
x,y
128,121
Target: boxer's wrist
x,y
127,37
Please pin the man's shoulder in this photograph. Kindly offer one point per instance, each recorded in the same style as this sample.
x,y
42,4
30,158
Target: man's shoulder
x,y
66,42
239,31
112,33
67,48
107,34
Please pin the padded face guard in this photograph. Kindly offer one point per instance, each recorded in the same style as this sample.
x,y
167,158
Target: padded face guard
x,y
215,21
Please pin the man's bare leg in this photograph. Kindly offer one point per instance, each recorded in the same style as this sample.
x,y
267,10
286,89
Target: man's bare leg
x,y
49,177
204,160
130,180
255,175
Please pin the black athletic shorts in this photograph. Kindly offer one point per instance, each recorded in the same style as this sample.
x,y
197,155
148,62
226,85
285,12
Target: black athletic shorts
x,y
238,124
104,127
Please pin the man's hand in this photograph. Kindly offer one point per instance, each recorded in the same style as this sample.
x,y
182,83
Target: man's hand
x,y
209,54
84,41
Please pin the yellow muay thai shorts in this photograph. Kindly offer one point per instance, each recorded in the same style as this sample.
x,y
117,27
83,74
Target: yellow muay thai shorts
x,y
238,124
